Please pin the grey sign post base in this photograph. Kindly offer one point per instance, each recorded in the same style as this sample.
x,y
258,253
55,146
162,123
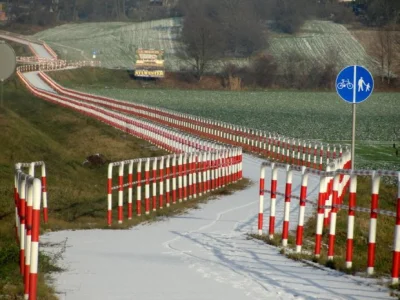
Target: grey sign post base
x,y
7,65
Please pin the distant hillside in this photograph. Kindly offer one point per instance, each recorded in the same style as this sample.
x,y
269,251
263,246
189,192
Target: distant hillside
x,y
115,42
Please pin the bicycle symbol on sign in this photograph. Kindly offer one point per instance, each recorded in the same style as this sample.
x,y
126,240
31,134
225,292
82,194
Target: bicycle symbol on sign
x,y
345,83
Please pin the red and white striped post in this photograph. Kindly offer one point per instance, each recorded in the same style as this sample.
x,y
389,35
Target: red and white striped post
x,y
154,185
205,178
109,194
190,177
200,172
303,197
320,216
120,192
208,171
22,213
17,202
261,203
274,184
28,243
174,179
350,219
286,212
332,227
212,172
194,171
130,185
396,242
147,186
185,176
44,193
37,189
167,181
373,222
180,173
328,196
139,189
161,184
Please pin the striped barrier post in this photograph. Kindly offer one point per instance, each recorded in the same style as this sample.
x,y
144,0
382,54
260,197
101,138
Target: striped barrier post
x,y
303,197
185,177
373,222
180,171
332,228
167,181
30,193
147,186
139,189
286,212
109,195
320,216
261,203
120,192
130,186
154,185
274,184
396,243
161,184
36,191
350,219
174,179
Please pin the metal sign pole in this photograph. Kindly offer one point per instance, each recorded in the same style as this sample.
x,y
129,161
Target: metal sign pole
x,y
353,138
1,93
354,84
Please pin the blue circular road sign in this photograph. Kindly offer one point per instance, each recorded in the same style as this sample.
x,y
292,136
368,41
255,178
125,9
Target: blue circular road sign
x,y
354,84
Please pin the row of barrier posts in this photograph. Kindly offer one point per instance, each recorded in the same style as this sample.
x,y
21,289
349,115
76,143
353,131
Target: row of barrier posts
x,y
333,184
159,135
277,147
29,192
184,176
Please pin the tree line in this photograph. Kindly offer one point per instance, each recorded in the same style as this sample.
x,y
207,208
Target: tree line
x,y
215,29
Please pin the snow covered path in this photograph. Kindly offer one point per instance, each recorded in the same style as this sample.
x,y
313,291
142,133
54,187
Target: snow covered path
x,y
201,255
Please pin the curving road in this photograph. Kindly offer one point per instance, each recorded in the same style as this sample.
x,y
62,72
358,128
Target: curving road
x,y
203,254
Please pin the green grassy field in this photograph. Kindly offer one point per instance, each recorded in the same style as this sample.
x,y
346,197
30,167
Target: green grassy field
x,y
307,115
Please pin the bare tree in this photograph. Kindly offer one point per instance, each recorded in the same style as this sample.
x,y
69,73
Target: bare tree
x,y
201,41
385,51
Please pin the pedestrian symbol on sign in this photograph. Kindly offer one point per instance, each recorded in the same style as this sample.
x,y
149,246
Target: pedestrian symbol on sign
x,y
354,84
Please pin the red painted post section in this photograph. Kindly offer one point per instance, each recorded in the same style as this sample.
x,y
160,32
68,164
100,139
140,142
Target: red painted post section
x,y
139,189
147,186
109,195
261,203
332,227
303,197
274,180
373,223
35,239
320,216
120,192
350,220
396,241
286,212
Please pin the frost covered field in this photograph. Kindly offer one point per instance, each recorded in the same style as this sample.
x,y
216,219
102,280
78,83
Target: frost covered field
x,y
115,42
